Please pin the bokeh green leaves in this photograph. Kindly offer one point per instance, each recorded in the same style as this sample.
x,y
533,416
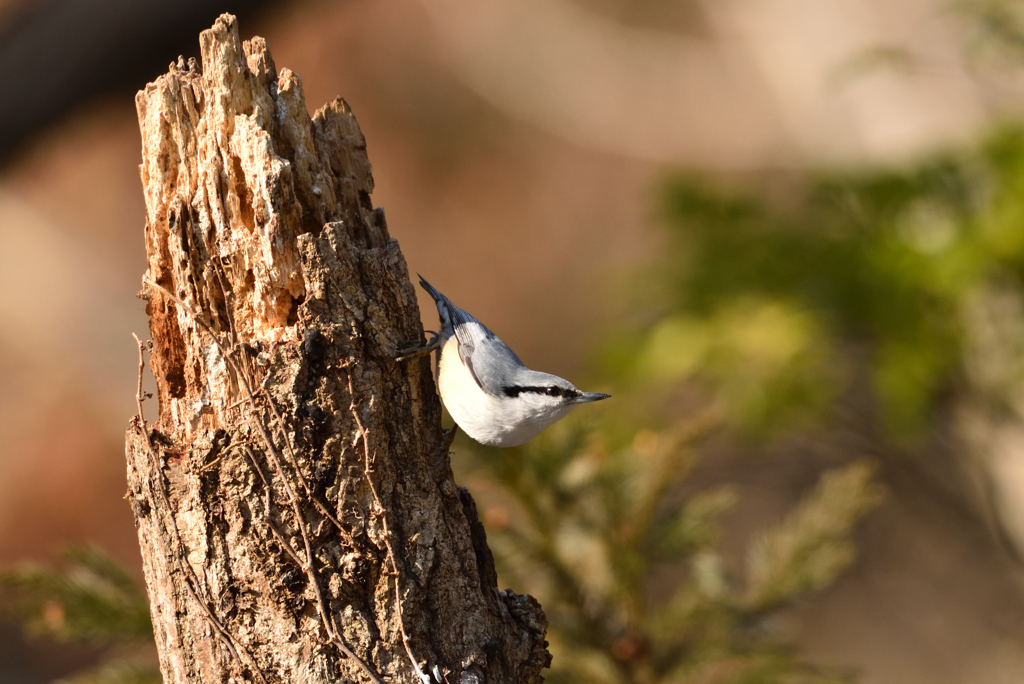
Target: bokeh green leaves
x,y
768,296
86,598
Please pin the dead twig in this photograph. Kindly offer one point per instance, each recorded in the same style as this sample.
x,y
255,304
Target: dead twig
x,y
364,436
192,585
269,497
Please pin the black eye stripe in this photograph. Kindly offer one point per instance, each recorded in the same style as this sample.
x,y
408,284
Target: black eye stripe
x,y
516,390
550,390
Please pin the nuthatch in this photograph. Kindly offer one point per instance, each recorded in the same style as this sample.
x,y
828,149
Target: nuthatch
x,y
491,395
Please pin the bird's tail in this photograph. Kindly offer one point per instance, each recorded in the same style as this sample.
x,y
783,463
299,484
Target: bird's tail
x,y
431,290
445,309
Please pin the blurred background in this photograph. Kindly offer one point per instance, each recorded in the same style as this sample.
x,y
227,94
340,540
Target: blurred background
x,y
787,235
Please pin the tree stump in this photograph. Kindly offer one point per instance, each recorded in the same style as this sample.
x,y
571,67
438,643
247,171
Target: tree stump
x,y
297,517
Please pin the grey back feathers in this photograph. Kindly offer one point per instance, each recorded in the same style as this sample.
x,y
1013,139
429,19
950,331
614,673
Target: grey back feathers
x,y
493,365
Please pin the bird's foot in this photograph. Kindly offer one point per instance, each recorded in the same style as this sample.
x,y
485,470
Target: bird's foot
x,y
433,344
446,445
449,437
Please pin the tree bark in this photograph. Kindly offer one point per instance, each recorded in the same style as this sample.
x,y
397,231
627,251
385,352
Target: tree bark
x,y
297,517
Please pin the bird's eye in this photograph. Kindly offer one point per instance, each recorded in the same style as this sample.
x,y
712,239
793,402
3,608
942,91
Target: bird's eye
x,y
554,391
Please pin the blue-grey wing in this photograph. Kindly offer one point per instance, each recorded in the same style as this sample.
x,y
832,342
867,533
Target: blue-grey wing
x,y
489,360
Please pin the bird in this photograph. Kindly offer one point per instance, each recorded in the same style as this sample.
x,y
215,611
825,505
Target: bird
x,y
488,391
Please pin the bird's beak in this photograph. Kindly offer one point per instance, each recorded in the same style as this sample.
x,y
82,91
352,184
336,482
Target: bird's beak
x,y
591,396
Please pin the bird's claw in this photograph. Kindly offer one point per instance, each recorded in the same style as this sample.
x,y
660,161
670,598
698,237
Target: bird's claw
x,y
449,437
446,445
433,344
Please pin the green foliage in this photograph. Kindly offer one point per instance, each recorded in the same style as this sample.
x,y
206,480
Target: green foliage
x,y
764,360
89,598
623,556
765,299
908,282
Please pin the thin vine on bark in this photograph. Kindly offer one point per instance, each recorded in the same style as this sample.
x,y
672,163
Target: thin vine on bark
x,y
297,517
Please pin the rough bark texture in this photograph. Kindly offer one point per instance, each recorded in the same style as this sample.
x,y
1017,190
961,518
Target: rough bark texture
x,y
297,518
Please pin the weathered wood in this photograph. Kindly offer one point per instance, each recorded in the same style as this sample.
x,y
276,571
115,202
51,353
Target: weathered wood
x,y
297,519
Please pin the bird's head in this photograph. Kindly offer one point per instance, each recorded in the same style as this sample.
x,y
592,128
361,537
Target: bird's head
x,y
543,393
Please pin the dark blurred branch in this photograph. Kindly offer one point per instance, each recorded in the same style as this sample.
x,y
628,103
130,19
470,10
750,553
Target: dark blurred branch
x,y
56,53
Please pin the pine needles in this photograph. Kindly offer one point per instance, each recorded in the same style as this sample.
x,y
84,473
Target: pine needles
x,y
624,558
808,550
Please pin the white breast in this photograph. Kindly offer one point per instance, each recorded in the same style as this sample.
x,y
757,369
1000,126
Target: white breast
x,y
490,420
